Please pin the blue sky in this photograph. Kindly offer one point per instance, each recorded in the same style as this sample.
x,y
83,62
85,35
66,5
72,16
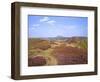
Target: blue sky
x,y
53,26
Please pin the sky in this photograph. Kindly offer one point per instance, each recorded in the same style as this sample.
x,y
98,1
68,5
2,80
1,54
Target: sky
x,y
53,26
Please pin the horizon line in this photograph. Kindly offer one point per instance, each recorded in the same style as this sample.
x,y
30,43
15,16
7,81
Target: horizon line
x,y
57,36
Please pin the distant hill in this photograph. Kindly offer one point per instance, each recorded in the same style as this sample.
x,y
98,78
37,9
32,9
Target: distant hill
x,y
64,38
57,38
75,38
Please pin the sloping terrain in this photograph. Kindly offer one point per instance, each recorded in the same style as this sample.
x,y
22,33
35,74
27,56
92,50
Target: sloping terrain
x,y
57,51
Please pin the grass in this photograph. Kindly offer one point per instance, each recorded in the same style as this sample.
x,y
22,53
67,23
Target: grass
x,y
59,53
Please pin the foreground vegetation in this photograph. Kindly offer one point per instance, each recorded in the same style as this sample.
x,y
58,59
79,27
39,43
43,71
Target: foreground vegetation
x,y
43,52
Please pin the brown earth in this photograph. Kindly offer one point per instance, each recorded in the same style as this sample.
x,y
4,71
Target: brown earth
x,y
59,52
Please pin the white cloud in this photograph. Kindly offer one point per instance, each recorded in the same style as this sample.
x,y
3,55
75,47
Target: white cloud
x,y
51,22
35,25
44,19
47,20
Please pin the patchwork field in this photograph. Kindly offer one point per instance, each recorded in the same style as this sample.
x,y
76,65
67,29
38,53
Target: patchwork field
x,y
57,51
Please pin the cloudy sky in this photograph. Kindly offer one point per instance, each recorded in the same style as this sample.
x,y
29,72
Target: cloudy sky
x,y
53,26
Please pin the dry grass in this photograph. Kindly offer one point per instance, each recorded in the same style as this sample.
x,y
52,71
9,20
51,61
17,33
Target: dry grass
x,y
44,52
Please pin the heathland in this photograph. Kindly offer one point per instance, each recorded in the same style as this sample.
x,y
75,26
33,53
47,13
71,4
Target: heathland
x,y
57,51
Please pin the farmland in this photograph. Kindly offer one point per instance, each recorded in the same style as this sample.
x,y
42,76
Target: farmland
x,y
57,51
